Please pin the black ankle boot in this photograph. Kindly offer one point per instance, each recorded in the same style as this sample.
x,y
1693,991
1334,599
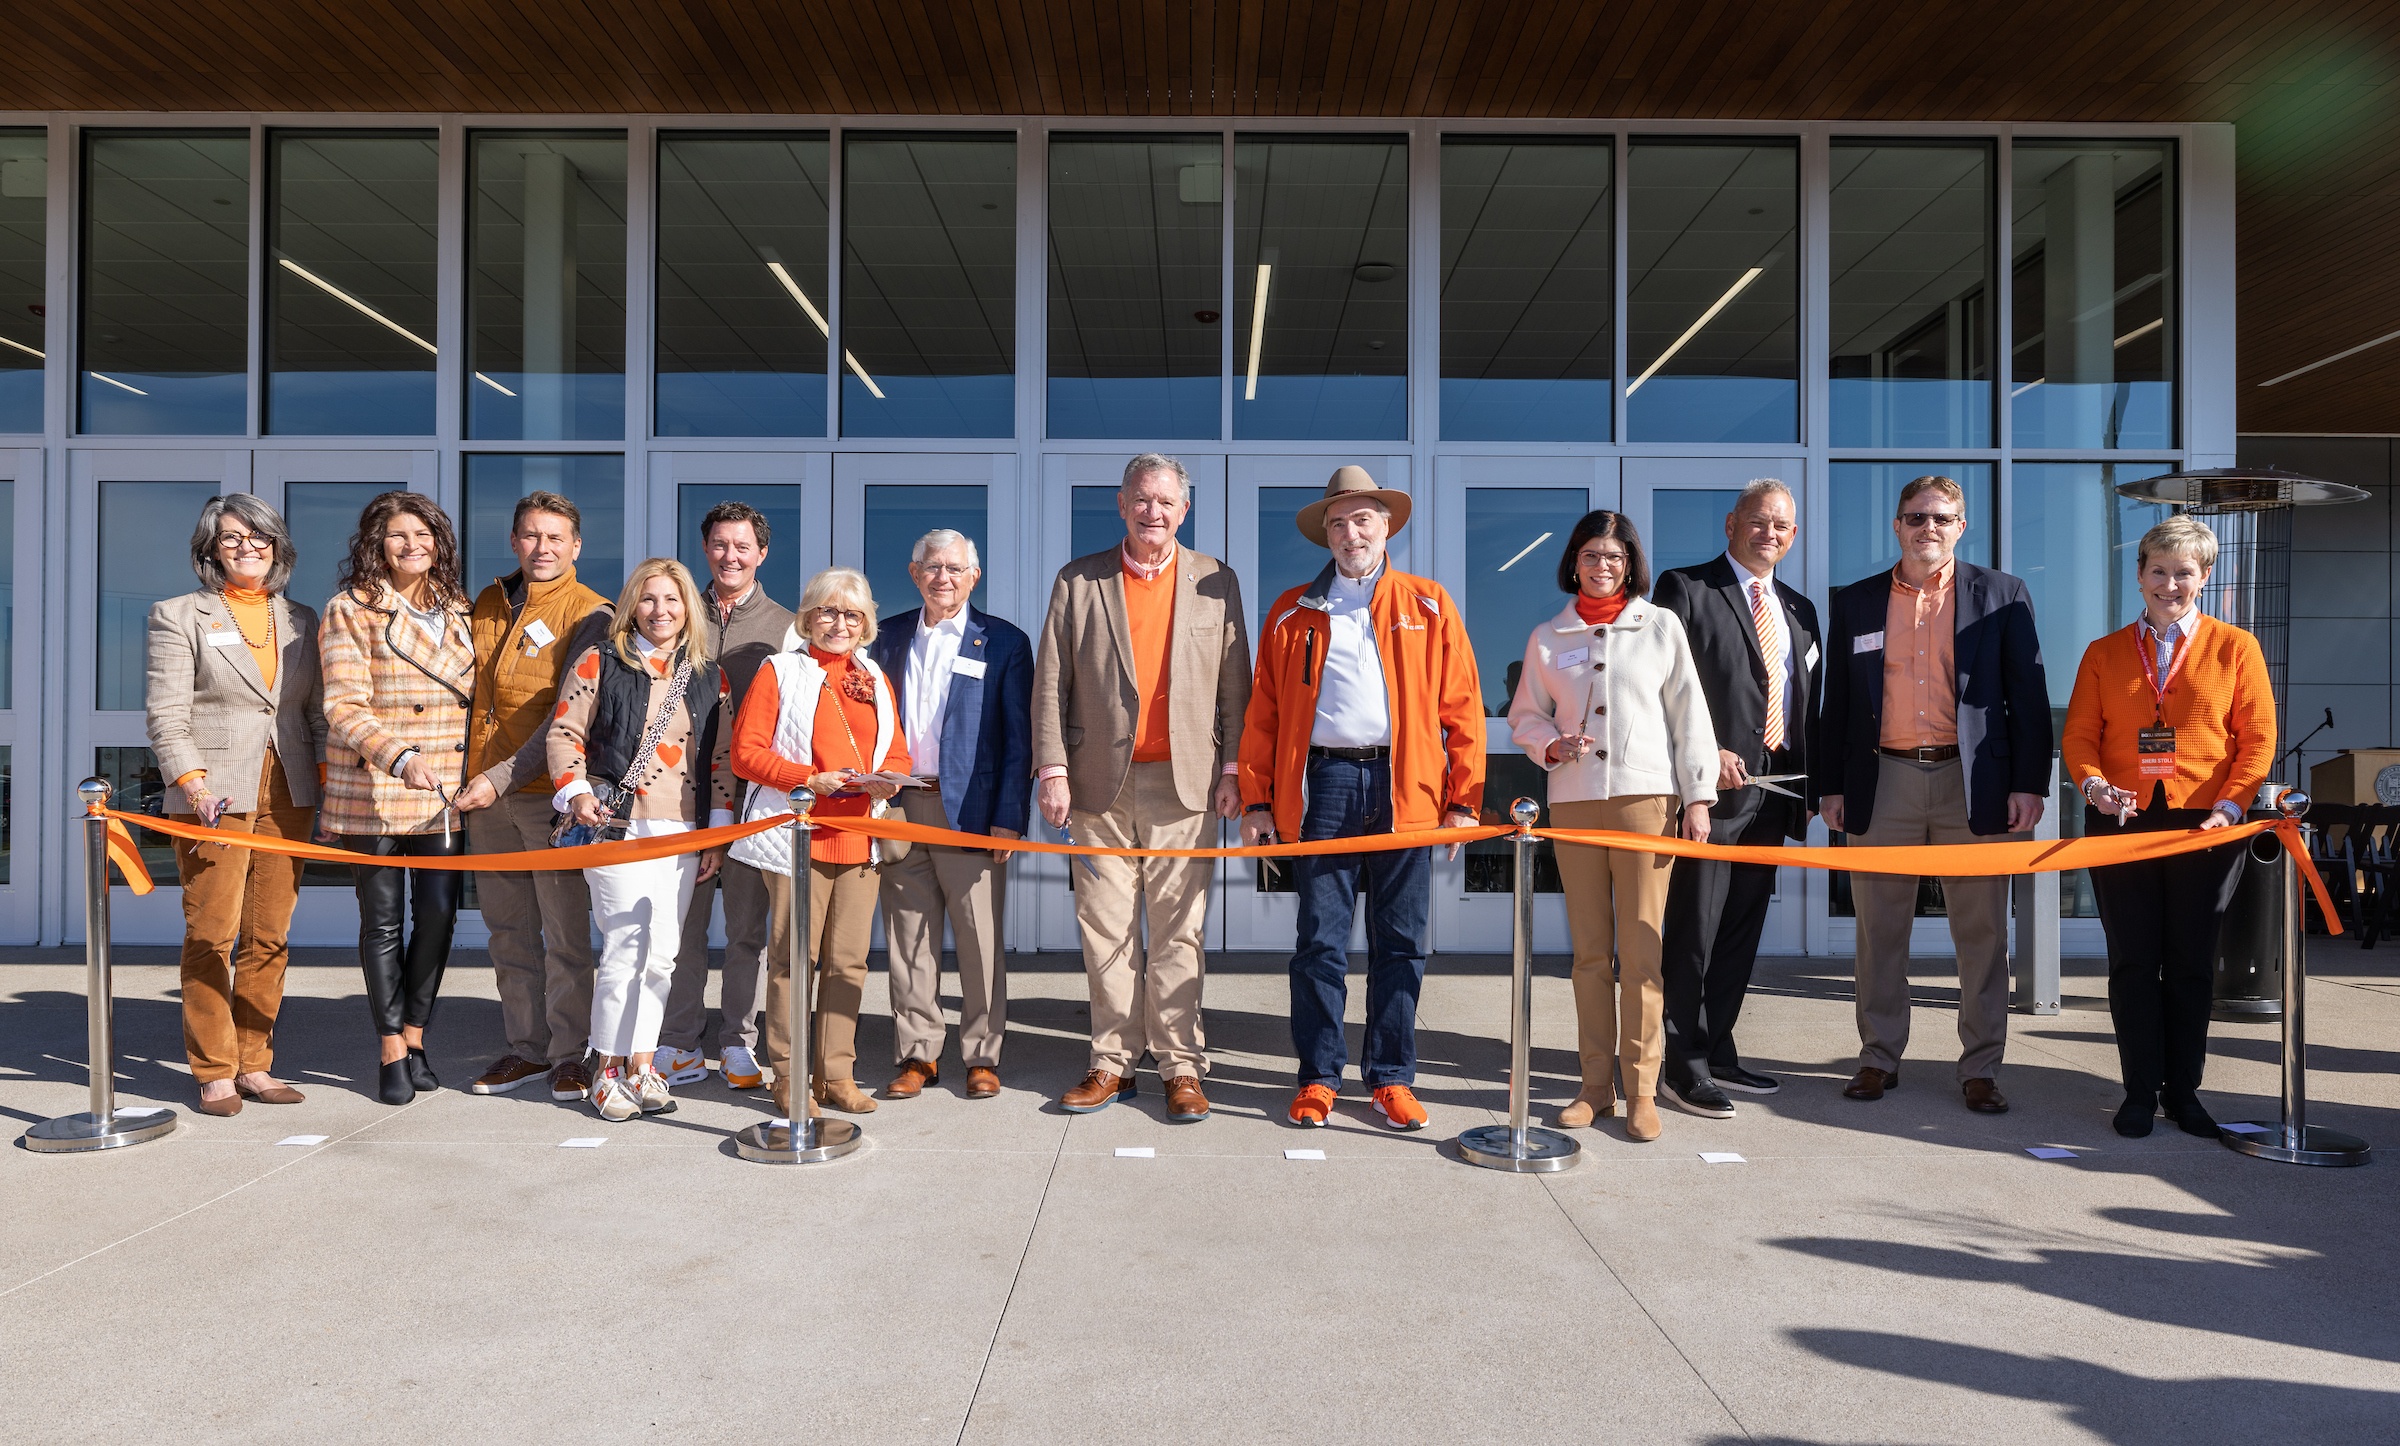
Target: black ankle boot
x,y
395,1088
420,1073
2135,1115
2191,1116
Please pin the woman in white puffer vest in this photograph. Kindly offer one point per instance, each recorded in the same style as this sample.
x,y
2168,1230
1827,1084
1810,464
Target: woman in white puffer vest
x,y
1610,704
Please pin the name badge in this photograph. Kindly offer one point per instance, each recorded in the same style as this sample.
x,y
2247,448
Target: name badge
x,y
2157,749
967,667
223,640
538,633
1575,659
1867,643
1809,663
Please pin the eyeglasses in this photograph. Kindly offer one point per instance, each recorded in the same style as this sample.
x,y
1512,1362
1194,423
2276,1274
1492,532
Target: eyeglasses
x,y
244,542
1602,559
944,569
839,617
1932,519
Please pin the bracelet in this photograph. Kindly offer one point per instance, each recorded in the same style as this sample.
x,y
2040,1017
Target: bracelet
x,y
1259,808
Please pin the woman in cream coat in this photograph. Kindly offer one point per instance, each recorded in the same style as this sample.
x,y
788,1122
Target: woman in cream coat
x,y
1610,705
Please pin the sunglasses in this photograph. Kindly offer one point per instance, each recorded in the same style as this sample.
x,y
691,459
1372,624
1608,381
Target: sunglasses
x,y
1932,519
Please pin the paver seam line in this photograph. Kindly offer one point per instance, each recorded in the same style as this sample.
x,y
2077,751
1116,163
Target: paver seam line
x,y
302,1155
967,1417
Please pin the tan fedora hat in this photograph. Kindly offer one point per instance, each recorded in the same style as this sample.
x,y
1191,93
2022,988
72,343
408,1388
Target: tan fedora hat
x,y
1350,484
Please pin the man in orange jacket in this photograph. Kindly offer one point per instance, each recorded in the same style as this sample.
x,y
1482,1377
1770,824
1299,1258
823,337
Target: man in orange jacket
x,y
1365,718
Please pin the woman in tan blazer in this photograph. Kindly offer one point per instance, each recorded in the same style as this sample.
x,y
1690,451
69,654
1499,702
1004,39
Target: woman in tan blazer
x,y
235,710
399,677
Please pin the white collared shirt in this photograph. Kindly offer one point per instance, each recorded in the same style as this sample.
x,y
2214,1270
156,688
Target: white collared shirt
x,y
1353,710
1147,572
2166,643
1785,659
925,693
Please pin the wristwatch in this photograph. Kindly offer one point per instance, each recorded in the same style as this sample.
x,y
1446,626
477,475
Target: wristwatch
x,y
1259,808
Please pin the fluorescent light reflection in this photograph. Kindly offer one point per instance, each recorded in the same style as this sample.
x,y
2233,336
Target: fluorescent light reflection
x,y
2141,331
1258,331
2330,360
1520,557
2029,386
345,297
822,329
29,351
495,386
1694,329
112,381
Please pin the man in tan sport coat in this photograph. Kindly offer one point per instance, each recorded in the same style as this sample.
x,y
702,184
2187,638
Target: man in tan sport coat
x,y
1139,688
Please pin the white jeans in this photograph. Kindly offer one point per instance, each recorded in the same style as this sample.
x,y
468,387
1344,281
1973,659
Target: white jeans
x,y
639,910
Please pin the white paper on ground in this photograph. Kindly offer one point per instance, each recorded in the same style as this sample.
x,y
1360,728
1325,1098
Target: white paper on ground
x,y
137,1111
2246,1128
1304,1154
1720,1157
584,1142
1137,1152
2049,1152
301,1140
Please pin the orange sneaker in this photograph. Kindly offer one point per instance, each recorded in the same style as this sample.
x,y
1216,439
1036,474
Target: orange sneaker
x,y
1399,1108
1312,1106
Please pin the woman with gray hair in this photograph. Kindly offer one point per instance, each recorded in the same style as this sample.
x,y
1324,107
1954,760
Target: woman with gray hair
x,y
235,709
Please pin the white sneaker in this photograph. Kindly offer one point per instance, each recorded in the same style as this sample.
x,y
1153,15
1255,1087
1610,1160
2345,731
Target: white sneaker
x,y
613,1097
650,1092
680,1066
740,1069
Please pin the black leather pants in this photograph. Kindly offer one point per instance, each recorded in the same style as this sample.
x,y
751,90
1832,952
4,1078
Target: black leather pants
x,y
402,979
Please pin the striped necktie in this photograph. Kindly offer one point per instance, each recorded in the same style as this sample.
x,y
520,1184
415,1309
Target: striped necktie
x,y
1765,618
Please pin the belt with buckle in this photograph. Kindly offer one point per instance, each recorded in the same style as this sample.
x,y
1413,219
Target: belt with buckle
x,y
1350,755
1943,754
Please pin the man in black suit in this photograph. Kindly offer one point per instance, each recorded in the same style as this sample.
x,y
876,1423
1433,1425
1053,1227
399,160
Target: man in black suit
x,y
1936,730
1754,641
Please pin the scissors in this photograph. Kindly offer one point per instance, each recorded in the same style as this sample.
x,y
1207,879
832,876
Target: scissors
x,y
1067,836
1774,782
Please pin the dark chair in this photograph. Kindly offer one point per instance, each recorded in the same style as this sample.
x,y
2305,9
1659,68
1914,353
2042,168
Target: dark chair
x,y
2331,825
2368,849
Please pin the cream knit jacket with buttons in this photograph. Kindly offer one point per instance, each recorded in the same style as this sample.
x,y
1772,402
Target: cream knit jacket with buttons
x,y
1635,680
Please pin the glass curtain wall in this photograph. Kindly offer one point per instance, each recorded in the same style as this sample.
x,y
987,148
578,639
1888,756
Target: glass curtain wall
x,y
1320,267
929,285
1528,286
24,223
1137,247
546,286
2093,232
351,283
166,284
593,481
1911,304
742,285
1712,308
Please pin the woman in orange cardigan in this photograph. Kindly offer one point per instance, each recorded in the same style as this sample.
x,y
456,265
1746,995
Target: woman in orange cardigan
x,y
2171,726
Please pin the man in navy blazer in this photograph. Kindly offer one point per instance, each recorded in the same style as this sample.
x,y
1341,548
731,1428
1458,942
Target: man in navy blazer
x,y
964,681
1935,730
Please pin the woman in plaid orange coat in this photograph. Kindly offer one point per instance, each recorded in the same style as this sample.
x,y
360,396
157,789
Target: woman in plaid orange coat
x,y
399,676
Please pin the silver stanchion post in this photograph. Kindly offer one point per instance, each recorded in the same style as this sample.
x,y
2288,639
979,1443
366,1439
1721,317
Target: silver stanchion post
x,y
799,1140
1519,1147
2292,1139
105,1127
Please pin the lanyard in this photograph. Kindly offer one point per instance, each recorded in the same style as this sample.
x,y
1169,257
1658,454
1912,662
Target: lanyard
x,y
2143,636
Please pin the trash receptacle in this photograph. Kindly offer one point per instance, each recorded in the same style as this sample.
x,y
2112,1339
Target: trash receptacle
x,y
2249,982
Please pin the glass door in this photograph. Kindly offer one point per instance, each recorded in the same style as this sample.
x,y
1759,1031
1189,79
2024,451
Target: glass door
x,y
21,556
1680,505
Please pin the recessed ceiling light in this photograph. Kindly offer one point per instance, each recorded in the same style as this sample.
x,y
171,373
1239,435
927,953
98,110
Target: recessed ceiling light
x,y
1205,318
1375,271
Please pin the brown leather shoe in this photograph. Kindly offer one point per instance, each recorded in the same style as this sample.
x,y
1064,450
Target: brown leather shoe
x,y
276,1093
1870,1083
1185,1103
1099,1090
1641,1119
783,1106
225,1108
846,1096
910,1082
983,1083
1984,1097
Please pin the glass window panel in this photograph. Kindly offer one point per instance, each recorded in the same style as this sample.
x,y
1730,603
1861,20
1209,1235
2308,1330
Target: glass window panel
x,y
1712,308
929,285
350,284
1527,253
1285,558
145,558
594,482
322,518
1320,269
8,595
2093,236
742,285
1866,494
1514,538
546,286
779,574
24,223
1911,302
166,283
134,786
1687,525
1097,524
1137,249
898,515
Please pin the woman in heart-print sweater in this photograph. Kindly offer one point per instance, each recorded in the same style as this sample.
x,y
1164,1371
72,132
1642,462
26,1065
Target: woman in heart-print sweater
x,y
629,757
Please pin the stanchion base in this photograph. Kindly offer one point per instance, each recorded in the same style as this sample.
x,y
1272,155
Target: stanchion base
x,y
2246,1011
1494,1147
2318,1145
819,1140
73,1134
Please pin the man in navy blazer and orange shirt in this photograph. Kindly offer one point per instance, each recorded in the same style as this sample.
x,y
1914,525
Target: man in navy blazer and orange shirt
x,y
1935,730
964,681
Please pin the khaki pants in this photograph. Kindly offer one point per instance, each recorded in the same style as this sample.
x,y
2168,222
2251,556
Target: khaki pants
x,y
541,934
1616,907
1926,803
969,888
841,916
1133,1007
745,892
238,902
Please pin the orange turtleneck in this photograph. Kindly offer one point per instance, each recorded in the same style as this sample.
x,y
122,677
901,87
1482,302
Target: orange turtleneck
x,y
254,613
1600,609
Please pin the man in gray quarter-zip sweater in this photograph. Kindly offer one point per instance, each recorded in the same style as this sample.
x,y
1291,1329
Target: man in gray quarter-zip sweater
x,y
745,628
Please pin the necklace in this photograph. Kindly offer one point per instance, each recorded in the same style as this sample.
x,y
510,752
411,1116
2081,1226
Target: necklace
x,y
269,644
843,714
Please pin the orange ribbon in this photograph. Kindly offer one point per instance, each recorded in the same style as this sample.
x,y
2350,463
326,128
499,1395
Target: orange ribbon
x,y
893,828
586,856
128,859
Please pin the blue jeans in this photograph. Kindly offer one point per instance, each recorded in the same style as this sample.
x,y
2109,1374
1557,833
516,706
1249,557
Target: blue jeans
x,y
1347,800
